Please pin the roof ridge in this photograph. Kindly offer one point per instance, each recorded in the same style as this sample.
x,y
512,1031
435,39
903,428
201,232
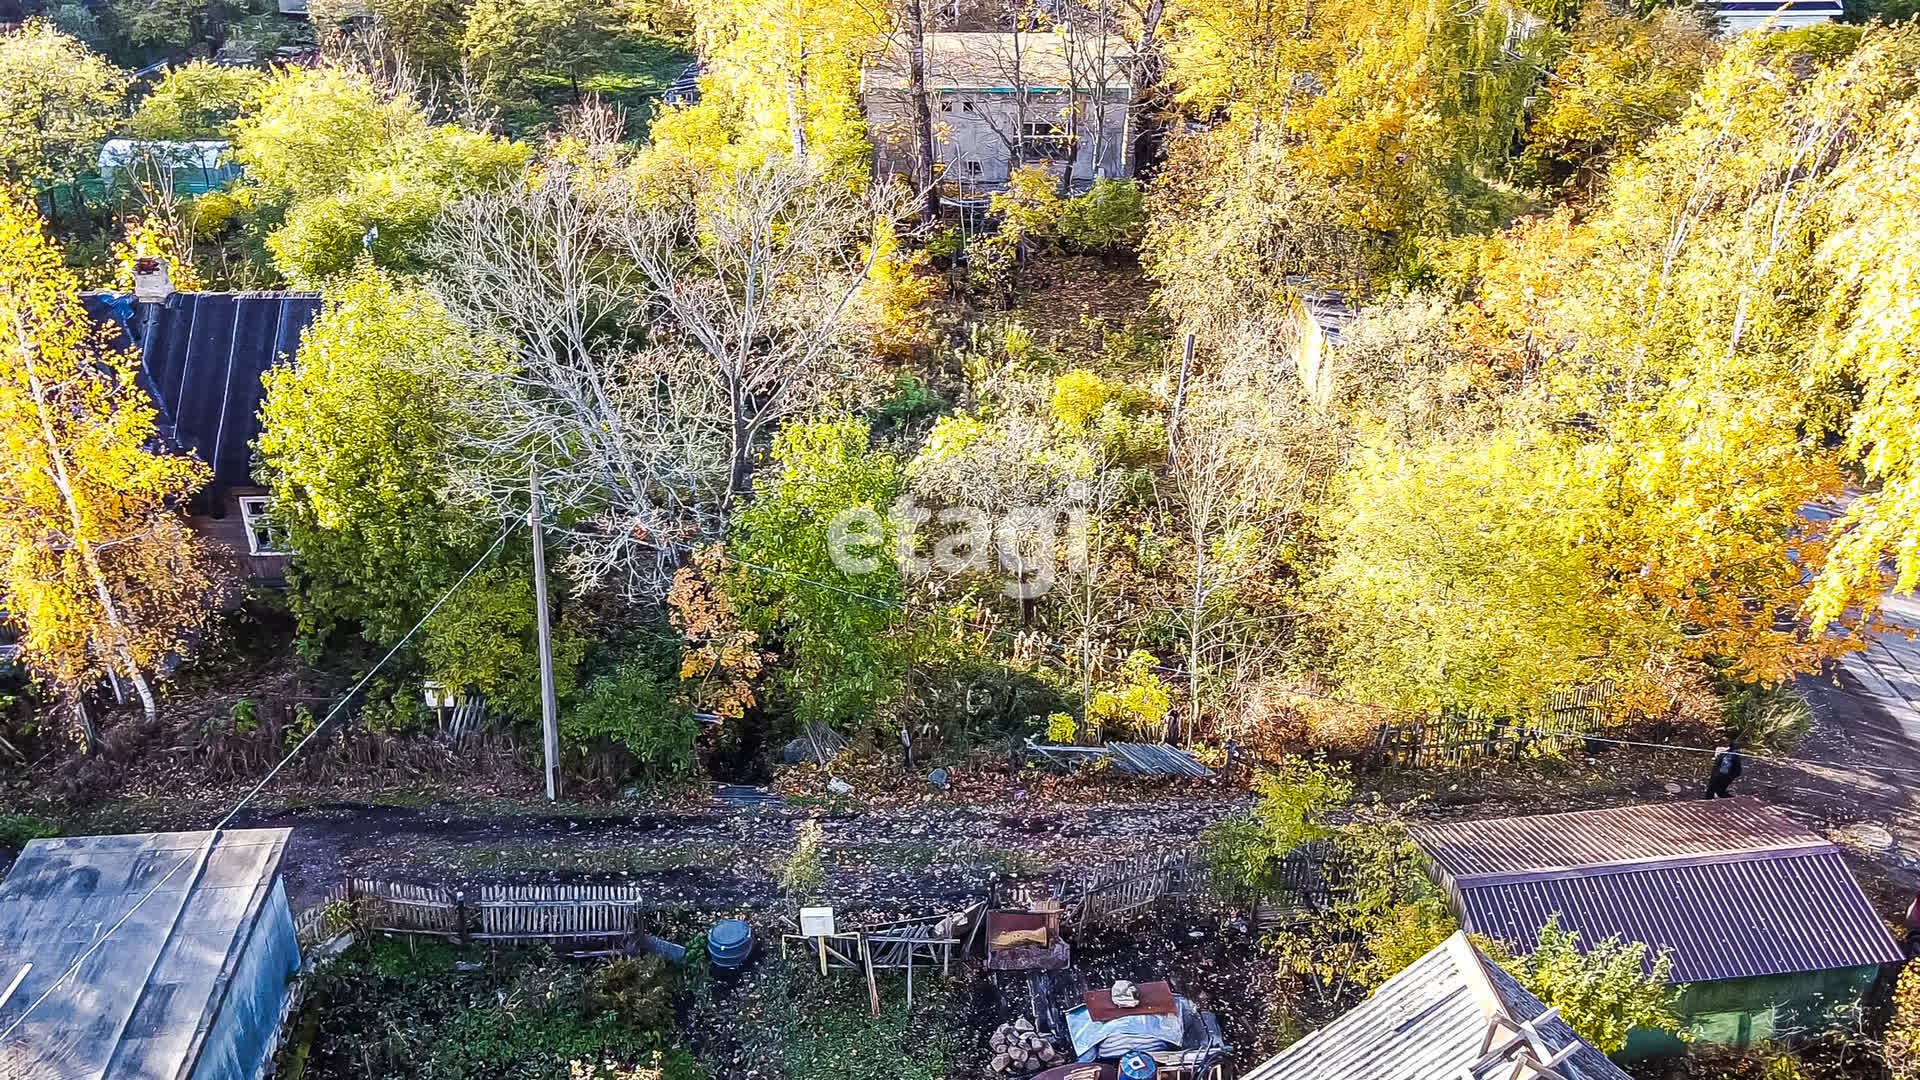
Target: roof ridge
x,y
1787,850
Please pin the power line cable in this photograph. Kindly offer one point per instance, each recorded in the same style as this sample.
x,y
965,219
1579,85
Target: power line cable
x,y
213,835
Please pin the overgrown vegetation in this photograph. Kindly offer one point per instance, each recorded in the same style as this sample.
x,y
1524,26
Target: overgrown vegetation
x,y
393,1007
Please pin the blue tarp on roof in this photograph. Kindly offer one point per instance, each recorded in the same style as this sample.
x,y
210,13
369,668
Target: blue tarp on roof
x,y
202,356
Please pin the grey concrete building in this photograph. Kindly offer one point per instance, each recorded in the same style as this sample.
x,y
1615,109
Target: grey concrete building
x,y
1004,100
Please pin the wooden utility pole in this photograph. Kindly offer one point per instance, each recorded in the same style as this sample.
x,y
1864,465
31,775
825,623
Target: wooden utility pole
x,y
549,708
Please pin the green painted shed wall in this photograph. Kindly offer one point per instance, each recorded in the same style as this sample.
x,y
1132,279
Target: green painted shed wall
x,y
1741,1012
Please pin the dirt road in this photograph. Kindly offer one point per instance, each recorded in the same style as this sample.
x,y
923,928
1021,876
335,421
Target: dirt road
x,y
728,857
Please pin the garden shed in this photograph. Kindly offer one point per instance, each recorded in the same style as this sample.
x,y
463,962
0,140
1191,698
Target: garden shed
x,y
1451,1014
191,982
1768,931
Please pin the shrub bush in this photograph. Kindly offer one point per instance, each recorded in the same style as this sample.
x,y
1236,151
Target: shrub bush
x,y
1111,216
17,830
638,706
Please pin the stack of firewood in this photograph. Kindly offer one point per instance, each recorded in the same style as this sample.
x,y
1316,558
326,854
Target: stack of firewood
x,y
1018,1049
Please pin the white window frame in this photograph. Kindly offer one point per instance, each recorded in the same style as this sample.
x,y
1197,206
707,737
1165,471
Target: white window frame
x,y
254,512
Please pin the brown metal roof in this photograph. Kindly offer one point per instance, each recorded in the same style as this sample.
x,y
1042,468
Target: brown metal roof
x,y
1730,920
1734,888
1470,852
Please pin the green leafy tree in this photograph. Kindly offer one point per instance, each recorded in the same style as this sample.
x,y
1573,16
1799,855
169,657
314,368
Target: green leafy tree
x,y
197,101
1603,992
1294,810
516,44
833,619
639,705
348,169
57,102
354,442
1385,913
487,640
160,26
1111,216
428,34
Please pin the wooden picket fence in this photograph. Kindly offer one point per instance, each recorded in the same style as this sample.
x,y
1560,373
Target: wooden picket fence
x,y
504,913
1116,891
1456,739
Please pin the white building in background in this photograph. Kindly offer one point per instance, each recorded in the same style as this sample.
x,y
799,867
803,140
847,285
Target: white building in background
x,y
1740,16
1002,100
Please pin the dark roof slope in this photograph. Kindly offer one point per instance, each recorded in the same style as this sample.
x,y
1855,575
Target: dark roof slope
x,y
1436,1021
135,1007
202,356
1734,888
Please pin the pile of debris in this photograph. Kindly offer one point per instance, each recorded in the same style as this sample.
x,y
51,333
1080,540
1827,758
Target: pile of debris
x,y
1019,1049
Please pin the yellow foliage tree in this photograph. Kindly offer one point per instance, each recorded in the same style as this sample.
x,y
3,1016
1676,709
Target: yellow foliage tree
x,y
781,77
95,562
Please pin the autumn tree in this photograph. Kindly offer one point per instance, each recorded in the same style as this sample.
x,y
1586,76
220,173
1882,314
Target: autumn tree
x,y
57,102
1337,139
356,441
352,170
780,77
513,43
1622,78
100,571
198,100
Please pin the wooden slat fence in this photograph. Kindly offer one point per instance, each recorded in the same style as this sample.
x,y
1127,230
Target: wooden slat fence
x,y
513,913
560,912
1455,739
1114,891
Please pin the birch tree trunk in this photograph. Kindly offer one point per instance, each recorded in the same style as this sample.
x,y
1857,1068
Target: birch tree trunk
x,y
89,560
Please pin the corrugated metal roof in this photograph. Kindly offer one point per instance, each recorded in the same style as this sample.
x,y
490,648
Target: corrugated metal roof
x,y
1726,920
138,1006
1431,1022
1468,852
1735,888
202,355
1154,759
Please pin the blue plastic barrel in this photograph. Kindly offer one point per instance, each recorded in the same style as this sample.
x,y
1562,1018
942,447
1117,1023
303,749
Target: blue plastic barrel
x,y
729,943
1137,1066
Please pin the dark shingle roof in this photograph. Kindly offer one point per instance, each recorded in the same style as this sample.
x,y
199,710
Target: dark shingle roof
x,y
1734,888
202,356
1433,1022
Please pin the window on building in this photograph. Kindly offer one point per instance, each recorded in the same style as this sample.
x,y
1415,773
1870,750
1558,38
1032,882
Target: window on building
x,y
256,513
1045,141
966,106
975,169
946,104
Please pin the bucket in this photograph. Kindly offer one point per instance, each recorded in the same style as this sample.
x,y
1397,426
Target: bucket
x,y
729,943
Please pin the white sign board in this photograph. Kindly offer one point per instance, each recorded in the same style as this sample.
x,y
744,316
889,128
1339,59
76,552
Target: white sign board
x,y
816,922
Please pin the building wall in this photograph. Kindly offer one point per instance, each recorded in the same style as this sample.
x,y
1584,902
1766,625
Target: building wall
x,y
975,125
1743,1012
1735,24
226,530
246,1027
